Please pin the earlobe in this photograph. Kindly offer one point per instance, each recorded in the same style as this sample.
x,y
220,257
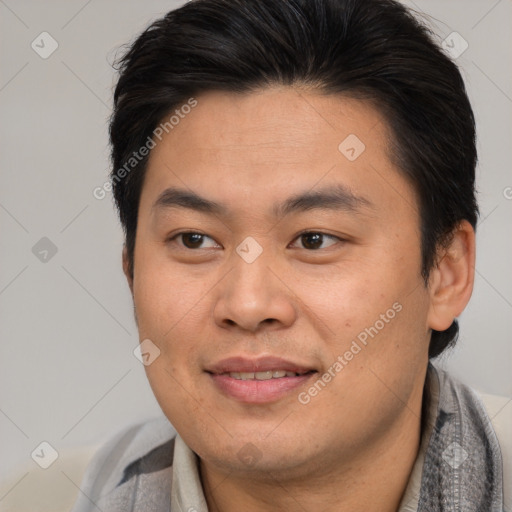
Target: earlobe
x,y
451,281
127,268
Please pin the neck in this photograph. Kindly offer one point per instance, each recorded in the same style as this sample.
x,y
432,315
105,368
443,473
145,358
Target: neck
x,y
372,481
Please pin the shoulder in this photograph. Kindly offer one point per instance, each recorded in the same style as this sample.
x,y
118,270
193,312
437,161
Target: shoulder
x,y
140,448
492,417
499,410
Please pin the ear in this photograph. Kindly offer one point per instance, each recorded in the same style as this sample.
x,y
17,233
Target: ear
x,y
127,268
451,281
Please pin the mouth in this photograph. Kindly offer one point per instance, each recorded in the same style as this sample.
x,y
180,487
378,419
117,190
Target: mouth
x,y
265,375
260,380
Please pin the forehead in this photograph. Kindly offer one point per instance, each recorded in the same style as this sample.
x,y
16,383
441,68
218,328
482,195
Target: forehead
x,y
267,121
247,149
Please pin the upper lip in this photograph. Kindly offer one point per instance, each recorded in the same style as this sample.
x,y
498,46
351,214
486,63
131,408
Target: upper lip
x,y
257,364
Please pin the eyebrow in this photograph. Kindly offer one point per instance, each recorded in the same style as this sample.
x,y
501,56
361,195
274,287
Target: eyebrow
x,y
336,197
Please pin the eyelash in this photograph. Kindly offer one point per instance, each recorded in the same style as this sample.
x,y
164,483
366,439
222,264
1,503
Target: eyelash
x,y
174,237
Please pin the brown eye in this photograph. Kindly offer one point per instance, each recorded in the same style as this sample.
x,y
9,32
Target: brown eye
x,y
313,240
193,240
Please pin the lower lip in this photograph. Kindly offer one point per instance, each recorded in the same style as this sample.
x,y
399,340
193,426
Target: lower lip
x,y
258,391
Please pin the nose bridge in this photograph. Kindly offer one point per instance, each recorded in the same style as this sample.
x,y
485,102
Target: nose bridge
x,y
252,294
251,274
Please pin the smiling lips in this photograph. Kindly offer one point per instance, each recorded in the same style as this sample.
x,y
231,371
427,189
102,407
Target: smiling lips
x,y
276,374
258,381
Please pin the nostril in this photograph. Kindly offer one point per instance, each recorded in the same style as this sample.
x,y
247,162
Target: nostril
x,y
267,320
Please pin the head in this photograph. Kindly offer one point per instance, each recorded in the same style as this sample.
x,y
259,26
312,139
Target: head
x,y
249,123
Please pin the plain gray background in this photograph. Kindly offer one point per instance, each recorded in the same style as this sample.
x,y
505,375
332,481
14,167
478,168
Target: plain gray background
x,y
68,373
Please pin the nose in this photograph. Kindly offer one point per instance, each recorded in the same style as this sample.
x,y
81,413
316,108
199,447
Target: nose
x,y
254,296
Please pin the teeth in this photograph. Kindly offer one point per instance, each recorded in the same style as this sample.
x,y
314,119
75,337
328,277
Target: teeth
x,y
276,374
263,375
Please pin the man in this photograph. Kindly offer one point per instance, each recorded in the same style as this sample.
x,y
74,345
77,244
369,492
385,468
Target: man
x,y
295,179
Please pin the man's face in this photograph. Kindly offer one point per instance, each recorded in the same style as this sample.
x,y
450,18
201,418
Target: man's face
x,y
251,297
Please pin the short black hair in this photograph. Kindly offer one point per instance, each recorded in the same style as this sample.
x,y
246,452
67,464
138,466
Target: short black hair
x,y
375,50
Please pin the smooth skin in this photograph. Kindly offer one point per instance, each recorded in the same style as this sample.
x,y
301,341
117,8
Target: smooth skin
x,y
304,298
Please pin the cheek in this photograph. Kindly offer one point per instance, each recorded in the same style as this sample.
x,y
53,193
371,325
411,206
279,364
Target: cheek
x,y
344,300
381,306
180,400
166,295
173,309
